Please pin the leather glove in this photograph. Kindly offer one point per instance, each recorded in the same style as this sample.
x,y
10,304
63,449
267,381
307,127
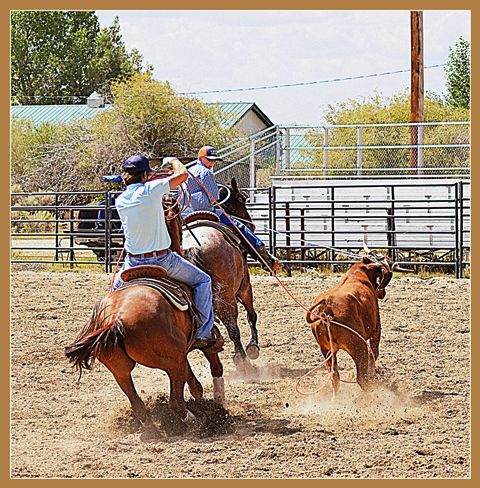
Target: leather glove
x,y
167,162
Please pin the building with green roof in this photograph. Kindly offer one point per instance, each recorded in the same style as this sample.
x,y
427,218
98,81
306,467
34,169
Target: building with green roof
x,y
245,116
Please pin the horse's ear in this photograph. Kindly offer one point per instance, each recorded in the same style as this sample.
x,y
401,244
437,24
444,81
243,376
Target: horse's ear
x,y
233,184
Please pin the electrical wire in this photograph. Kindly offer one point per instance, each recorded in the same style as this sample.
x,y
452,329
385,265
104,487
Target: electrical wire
x,y
287,85
252,88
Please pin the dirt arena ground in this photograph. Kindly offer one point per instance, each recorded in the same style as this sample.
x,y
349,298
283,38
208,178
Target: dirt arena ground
x,y
415,424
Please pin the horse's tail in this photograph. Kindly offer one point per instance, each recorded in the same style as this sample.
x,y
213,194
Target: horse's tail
x,y
95,338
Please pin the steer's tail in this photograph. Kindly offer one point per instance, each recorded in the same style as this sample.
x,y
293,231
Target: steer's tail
x,y
316,309
100,334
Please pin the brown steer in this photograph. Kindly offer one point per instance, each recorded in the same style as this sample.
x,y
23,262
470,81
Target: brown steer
x,y
353,302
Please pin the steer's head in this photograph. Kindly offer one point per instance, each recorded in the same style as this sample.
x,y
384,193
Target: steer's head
x,y
379,269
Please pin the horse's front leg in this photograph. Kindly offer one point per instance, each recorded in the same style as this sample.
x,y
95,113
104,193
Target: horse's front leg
x,y
245,297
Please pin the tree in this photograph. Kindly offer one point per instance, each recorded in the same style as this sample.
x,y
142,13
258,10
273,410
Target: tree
x,y
63,56
457,72
147,117
376,109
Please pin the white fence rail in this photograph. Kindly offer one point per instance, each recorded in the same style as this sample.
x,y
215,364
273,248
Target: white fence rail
x,y
433,149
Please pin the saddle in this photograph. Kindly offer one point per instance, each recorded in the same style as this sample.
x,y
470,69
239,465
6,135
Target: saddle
x,y
156,277
210,219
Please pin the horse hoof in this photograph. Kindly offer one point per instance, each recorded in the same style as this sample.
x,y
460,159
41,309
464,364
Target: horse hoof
x,y
253,351
239,360
189,418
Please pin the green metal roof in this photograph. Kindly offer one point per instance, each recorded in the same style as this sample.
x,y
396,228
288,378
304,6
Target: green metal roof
x,y
55,114
61,114
234,111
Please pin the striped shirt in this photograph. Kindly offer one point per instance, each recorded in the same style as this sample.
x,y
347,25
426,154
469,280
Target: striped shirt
x,y
200,199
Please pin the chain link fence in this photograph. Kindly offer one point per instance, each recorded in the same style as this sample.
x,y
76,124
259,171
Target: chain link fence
x,y
251,160
427,149
348,151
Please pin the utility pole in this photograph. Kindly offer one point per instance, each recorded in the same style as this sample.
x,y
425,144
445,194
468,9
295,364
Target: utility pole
x,y
417,87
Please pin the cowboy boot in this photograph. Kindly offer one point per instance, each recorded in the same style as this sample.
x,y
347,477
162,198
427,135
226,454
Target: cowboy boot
x,y
272,261
213,344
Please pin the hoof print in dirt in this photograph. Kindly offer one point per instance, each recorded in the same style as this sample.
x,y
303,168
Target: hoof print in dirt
x,y
161,414
211,418
127,423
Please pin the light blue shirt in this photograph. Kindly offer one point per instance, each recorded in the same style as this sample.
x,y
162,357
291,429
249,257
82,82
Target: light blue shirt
x,y
200,199
143,219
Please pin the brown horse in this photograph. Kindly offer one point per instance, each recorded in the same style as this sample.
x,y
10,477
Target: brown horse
x,y
227,266
139,325
235,203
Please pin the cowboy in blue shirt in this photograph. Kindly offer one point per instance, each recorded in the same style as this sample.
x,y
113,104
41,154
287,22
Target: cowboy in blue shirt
x,y
201,200
147,240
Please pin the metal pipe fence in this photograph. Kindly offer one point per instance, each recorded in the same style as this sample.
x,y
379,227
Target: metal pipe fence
x,y
409,148
424,224
436,149
69,234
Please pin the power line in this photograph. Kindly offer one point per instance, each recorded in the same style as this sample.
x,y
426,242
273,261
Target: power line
x,y
333,80
266,87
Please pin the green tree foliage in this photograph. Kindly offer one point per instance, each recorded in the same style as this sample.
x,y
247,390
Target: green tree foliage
x,y
457,72
147,117
376,109
28,143
63,56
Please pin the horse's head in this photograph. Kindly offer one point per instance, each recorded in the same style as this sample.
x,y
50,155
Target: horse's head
x,y
236,203
173,219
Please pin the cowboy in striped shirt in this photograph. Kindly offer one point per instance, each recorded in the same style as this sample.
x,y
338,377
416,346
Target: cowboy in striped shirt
x,y
200,200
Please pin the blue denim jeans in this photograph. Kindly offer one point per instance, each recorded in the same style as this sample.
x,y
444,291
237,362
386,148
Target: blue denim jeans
x,y
250,236
181,270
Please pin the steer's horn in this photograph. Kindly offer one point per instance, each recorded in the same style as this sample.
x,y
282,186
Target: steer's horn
x,y
366,249
396,267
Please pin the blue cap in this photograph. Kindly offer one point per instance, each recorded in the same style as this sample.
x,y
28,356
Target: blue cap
x,y
208,152
138,163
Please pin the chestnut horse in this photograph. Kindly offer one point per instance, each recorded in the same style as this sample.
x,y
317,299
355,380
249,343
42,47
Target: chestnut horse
x,y
227,266
139,325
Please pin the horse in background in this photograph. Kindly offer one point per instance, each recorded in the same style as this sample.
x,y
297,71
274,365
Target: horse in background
x,y
226,263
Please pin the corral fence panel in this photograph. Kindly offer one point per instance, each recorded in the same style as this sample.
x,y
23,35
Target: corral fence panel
x,y
423,223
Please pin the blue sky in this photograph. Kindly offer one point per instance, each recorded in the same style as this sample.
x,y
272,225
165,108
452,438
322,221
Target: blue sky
x,y
215,50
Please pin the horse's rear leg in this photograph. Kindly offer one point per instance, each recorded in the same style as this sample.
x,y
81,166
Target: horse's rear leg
x,y
216,368
178,375
227,312
121,367
245,295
